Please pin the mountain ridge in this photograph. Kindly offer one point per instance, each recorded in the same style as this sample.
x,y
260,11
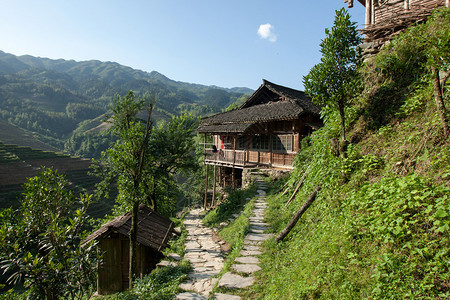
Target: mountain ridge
x,y
23,62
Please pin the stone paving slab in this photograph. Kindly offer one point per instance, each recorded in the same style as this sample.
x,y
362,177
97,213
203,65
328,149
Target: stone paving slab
x,y
234,281
258,236
219,296
250,252
251,248
246,268
190,296
247,260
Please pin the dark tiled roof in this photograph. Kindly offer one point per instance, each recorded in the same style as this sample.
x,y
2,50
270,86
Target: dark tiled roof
x,y
271,102
278,93
153,228
281,110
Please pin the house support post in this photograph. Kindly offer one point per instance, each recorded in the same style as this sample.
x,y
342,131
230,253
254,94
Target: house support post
x,y
206,189
368,12
213,202
270,150
233,179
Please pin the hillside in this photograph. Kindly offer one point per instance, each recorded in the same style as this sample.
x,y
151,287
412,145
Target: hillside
x,y
379,226
52,97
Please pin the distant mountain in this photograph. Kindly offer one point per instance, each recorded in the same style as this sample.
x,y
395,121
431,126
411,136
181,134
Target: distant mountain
x,y
53,97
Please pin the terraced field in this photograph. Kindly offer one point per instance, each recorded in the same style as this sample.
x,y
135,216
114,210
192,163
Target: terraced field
x,y
17,163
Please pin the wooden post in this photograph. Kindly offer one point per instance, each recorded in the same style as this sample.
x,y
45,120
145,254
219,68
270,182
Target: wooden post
x,y
297,216
233,181
206,189
213,202
368,12
270,150
350,3
372,12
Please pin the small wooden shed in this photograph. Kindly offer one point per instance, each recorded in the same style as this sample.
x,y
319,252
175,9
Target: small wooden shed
x,y
153,233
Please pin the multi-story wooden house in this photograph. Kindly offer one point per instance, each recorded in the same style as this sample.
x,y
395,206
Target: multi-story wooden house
x,y
265,132
386,18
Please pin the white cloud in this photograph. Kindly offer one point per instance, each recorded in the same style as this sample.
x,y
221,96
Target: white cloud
x,y
266,31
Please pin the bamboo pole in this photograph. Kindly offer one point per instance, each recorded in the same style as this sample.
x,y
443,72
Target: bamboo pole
x,y
298,187
297,216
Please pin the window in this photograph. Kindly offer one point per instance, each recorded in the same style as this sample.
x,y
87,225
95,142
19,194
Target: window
x,y
260,142
282,142
242,142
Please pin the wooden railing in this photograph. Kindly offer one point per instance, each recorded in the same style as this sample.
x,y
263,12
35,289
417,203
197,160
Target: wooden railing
x,y
242,158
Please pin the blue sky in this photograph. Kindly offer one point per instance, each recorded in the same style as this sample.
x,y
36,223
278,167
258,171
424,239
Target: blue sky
x,y
224,43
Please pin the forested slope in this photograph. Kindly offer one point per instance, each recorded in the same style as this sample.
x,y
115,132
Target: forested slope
x,y
379,227
53,98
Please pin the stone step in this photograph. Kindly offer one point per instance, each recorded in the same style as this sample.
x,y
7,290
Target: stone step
x,y
233,281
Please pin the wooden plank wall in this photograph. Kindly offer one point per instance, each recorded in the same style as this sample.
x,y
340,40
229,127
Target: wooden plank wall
x,y
392,8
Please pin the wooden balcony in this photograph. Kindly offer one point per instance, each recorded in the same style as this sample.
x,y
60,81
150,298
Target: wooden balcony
x,y
249,159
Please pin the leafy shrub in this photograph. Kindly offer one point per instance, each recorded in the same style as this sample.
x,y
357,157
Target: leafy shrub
x,y
408,218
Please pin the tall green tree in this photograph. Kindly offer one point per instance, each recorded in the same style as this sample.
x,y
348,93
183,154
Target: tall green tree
x,y
40,243
127,161
436,37
144,160
332,82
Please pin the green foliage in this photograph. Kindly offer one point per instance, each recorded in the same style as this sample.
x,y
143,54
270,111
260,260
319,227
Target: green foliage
x,y
405,65
146,161
333,81
40,243
409,219
160,284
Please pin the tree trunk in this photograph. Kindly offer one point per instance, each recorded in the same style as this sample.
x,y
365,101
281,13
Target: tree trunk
x,y
439,100
297,216
133,244
342,115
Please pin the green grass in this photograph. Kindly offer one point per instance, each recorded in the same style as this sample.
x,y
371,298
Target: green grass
x,y
233,204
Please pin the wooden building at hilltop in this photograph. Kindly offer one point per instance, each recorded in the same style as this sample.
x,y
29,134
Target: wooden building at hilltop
x,y
264,132
386,18
153,233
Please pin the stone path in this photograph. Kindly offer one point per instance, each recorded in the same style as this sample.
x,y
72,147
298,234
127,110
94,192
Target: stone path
x,y
203,253
207,261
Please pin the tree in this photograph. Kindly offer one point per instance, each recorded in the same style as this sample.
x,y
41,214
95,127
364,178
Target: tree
x,y
40,243
436,37
332,82
144,159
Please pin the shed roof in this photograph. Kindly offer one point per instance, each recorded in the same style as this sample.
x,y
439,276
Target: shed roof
x,y
153,228
271,102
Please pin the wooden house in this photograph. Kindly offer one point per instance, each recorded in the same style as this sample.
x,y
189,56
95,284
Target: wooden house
x,y
153,233
386,18
264,132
